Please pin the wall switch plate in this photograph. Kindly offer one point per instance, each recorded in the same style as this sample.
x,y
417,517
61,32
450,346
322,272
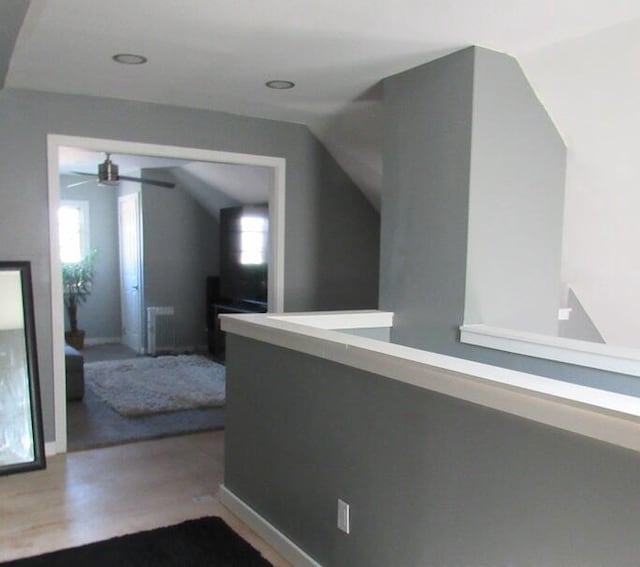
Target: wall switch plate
x,y
344,520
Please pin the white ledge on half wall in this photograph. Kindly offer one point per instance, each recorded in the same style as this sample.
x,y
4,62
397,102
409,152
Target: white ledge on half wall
x,y
607,416
362,319
582,353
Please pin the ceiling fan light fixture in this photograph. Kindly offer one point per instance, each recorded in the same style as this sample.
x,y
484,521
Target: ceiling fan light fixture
x,y
108,172
129,58
280,84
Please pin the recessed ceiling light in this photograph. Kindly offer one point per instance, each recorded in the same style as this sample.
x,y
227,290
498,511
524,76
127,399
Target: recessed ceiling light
x,y
129,59
280,85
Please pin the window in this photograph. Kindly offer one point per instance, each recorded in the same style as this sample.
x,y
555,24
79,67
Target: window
x,y
73,229
253,240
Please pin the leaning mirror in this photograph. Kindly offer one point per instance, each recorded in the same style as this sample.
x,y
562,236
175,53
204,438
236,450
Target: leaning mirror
x,y
21,440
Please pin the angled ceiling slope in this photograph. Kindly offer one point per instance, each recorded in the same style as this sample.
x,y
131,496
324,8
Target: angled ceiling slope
x,y
12,14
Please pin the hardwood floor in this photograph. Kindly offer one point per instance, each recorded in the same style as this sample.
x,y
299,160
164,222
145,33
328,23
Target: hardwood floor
x,y
98,494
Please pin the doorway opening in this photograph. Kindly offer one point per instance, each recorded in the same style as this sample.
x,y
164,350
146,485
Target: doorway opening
x,y
193,164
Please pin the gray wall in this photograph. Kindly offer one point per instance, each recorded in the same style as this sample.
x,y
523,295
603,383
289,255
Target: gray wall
x,y
432,481
331,238
342,257
516,201
579,325
425,200
100,315
181,243
425,206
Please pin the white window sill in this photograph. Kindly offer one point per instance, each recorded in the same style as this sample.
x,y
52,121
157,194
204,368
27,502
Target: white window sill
x,y
582,353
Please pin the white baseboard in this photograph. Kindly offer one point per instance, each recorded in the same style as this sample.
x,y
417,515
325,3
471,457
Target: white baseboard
x,y
102,341
50,448
276,539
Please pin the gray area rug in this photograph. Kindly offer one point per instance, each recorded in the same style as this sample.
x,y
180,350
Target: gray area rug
x,y
91,423
144,386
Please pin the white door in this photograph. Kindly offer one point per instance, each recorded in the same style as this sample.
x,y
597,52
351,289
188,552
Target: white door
x,y
130,270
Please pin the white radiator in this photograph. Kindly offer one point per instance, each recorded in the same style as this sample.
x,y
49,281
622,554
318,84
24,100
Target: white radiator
x,y
161,333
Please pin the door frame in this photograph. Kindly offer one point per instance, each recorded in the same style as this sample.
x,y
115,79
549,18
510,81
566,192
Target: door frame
x,y
276,238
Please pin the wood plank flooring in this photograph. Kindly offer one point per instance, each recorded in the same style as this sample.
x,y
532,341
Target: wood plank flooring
x,y
98,494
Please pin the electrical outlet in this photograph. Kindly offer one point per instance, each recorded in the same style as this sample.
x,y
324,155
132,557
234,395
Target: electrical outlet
x,y
344,520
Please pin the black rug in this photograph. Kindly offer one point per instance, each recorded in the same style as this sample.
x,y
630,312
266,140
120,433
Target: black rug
x,y
197,543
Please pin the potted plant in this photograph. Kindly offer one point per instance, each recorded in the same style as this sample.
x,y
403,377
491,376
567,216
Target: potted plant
x,y
77,281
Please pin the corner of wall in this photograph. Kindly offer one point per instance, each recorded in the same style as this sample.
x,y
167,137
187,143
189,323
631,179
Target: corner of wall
x,y
12,15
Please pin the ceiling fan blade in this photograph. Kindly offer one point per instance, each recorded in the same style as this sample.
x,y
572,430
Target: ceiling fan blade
x,y
165,184
76,184
83,173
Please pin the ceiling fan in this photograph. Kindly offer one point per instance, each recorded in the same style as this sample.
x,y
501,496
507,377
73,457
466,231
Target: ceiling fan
x,y
108,175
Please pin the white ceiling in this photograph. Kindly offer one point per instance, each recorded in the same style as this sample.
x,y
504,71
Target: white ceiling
x,y
217,55
248,184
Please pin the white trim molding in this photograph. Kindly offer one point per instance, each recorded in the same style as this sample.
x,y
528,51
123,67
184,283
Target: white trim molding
x,y
561,349
50,448
277,199
365,319
595,413
274,537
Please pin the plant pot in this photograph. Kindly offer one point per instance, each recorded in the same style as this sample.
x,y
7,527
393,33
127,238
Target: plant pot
x,y
75,339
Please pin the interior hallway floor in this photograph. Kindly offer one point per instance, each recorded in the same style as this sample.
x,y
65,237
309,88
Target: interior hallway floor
x,y
99,494
91,423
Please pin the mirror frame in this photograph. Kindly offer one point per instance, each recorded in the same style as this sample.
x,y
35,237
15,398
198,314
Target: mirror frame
x,y
33,379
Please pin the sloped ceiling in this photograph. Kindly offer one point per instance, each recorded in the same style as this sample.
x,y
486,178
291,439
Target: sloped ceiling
x,y
12,14
218,55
